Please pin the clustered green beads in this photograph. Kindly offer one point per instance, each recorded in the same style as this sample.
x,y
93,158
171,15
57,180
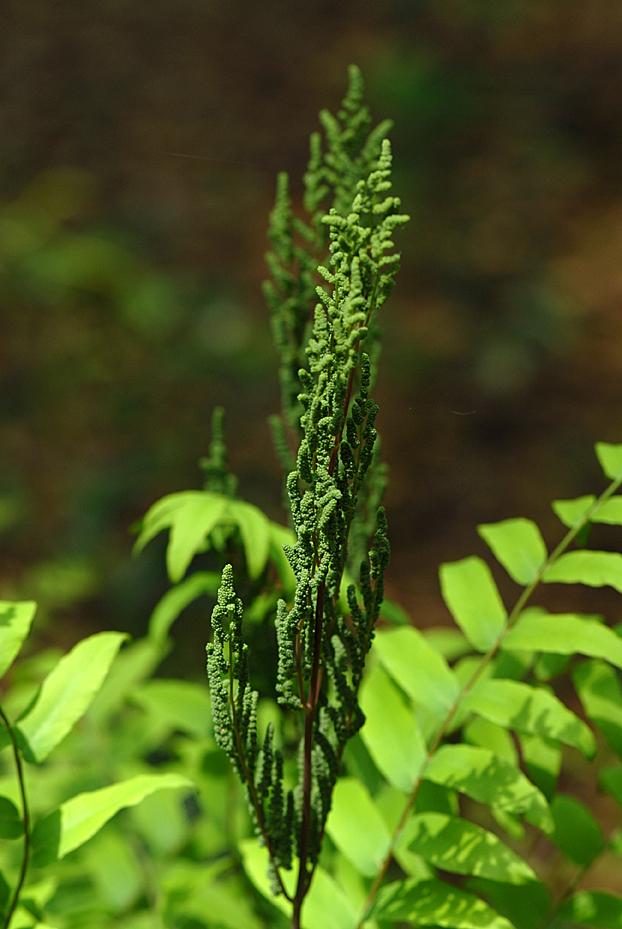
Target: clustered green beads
x,y
327,362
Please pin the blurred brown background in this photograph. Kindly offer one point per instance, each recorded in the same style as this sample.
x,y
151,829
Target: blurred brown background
x,y
138,149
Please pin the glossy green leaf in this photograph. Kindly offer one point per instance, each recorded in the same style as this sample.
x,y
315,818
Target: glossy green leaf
x,y
357,828
178,598
576,832
610,458
78,819
592,909
600,693
472,598
461,847
193,522
433,903
594,569
182,704
519,706
484,777
419,670
564,634
326,905
391,732
255,531
15,622
11,826
518,545
66,694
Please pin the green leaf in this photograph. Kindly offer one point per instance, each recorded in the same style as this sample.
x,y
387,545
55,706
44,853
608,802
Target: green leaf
x,y
159,517
601,695
518,545
433,903
472,598
280,536
326,905
482,732
78,819
255,531
484,777
543,761
113,865
594,909
610,459
419,670
391,732
181,704
518,706
351,807
594,569
461,847
563,634
576,832
525,905
11,826
193,522
66,694
135,663
178,598
573,512
448,641
15,622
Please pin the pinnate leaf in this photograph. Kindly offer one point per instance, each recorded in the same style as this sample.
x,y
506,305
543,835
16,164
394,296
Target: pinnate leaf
x,y
433,903
576,832
417,667
351,807
518,545
601,695
610,458
66,693
15,622
391,732
472,598
78,819
594,569
593,909
519,706
564,634
481,775
456,845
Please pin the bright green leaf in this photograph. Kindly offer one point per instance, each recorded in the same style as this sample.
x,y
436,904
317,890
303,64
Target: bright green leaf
x,y
564,634
593,909
182,704
433,903
66,694
600,693
576,832
178,598
419,670
482,732
518,706
518,545
610,459
78,819
159,517
573,512
461,847
357,828
192,524
255,532
15,622
447,641
391,732
484,777
472,598
594,569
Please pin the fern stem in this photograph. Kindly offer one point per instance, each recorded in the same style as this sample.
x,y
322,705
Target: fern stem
x,y
516,611
25,820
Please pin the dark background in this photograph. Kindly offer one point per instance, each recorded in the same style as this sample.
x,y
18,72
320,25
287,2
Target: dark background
x,y
138,148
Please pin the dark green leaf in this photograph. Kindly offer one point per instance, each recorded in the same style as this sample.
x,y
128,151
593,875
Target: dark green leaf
x,y
11,826
593,909
576,832
601,695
